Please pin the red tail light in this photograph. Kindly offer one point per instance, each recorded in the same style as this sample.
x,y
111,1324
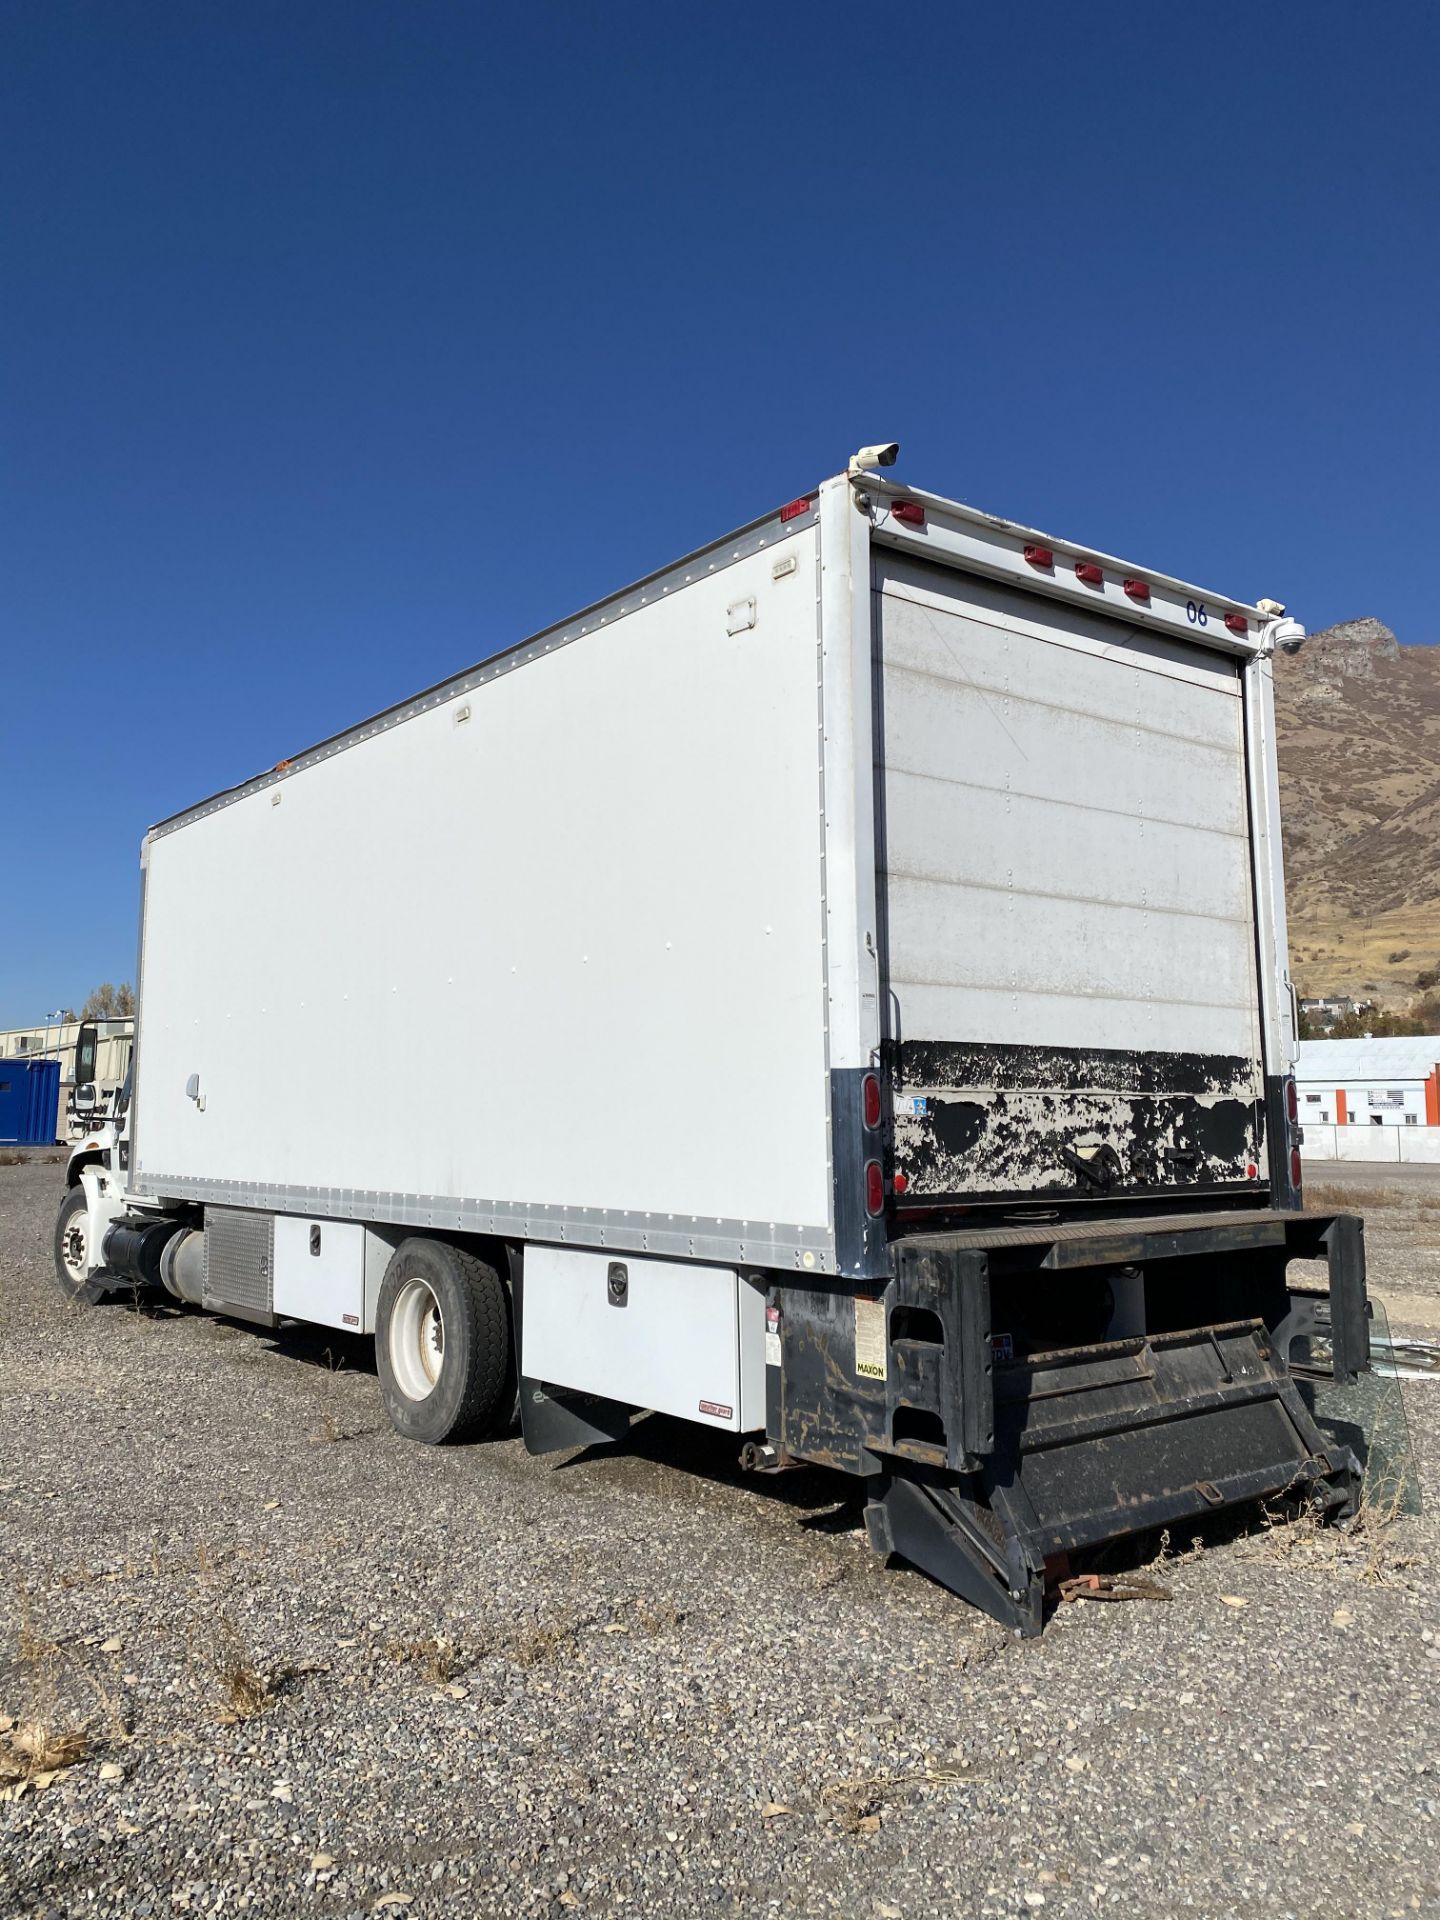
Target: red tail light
x,y
1090,572
907,511
1040,556
870,1088
874,1188
1138,590
1296,1172
1292,1102
1237,623
901,1182
794,509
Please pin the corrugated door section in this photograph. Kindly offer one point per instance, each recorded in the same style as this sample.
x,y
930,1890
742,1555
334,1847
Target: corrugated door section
x,y
1068,920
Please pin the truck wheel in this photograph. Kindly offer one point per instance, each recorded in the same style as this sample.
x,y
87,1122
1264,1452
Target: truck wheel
x,y
442,1343
72,1250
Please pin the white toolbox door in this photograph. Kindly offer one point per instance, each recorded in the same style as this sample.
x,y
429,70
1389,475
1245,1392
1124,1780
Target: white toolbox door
x,y
688,1339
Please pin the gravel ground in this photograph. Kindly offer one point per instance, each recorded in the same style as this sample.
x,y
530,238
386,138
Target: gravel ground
x,y
633,1682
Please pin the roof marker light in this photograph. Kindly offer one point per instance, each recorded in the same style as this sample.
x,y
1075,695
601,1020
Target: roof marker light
x,y
1040,556
1091,572
793,509
1237,623
907,511
1138,590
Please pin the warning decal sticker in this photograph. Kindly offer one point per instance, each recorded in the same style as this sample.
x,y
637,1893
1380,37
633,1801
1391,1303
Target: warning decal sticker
x,y
870,1338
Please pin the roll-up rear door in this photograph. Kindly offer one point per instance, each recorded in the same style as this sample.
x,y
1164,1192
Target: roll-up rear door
x,y
1068,931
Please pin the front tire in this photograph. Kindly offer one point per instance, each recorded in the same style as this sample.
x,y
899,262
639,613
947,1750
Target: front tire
x,y
72,1250
442,1343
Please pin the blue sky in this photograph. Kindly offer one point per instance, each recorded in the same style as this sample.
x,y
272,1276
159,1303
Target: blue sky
x,y
342,343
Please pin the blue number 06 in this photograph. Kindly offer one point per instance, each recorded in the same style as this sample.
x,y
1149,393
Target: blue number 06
x,y
1197,616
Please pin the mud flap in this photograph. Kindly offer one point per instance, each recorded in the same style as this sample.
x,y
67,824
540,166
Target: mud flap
x,y
1098,1442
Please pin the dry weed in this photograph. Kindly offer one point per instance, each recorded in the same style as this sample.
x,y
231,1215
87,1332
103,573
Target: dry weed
x,y
36,1651
40,1746
1325,1196
531,1646
111,1705
858,1803
1375,1527
1179,1556
203,1560
43,1738
438,1660
241,1688
1370,1548
659,1619
332,1426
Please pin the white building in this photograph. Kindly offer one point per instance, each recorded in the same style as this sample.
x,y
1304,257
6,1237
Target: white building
x,y
1370,1099
1327,1010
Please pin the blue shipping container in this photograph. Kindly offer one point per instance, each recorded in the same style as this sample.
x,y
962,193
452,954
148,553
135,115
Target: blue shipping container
x,y
29,1102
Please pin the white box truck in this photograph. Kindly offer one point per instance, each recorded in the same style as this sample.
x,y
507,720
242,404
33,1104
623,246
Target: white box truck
x,y
833,991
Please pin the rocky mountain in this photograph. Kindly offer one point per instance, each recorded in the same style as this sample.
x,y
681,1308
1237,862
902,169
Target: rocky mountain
x,y
1358,718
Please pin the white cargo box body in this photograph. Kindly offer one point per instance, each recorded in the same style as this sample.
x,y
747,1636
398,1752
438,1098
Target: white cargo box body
x,y
595,943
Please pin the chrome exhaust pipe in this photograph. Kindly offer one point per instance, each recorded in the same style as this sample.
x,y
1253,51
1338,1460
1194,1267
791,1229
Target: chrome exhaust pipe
x,y
182,1266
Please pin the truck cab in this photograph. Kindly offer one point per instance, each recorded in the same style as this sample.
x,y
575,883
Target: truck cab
x,y
102,1125
104,1051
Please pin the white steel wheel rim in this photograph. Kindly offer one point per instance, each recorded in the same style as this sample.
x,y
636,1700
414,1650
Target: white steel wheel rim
x,y
417,1340
75,1246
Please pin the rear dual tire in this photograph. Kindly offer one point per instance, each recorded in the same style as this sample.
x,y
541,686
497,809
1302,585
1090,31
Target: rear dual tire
x,y
443,1345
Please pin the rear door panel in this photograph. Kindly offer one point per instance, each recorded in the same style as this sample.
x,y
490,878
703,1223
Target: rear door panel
x,y
1068,936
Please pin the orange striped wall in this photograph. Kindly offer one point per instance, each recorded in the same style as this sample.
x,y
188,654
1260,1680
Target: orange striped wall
x,y
1341,1116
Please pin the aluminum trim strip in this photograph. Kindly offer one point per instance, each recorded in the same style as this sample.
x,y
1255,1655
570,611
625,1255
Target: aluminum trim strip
x,y
747,540
752,539
686,1236
129,1120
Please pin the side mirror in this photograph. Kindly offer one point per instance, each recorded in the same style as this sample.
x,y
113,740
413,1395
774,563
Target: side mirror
x,y
85,1098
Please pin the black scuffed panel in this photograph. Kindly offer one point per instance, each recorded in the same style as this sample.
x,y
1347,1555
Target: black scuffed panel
x,y
827,1406
995,1121
968,1063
